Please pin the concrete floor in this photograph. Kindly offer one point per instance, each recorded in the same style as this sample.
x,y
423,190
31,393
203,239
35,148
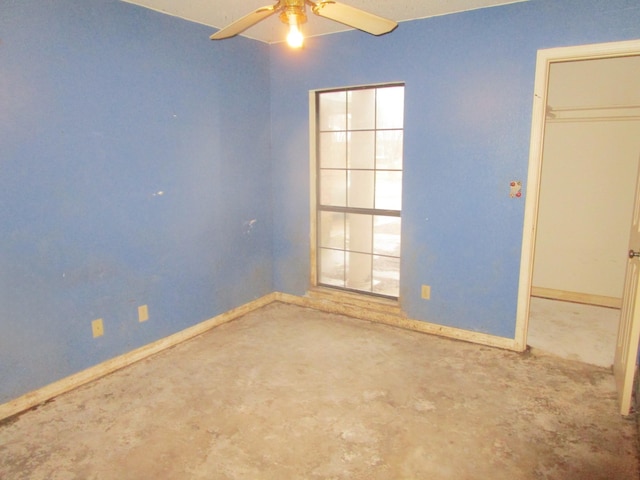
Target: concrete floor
x,y
287,392
586,333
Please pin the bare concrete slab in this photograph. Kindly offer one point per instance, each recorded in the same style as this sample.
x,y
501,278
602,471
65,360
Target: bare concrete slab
x,y
586,333
287,392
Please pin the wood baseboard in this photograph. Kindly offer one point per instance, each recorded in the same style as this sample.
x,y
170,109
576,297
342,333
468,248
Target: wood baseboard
x,y
586,298
36,397
389,314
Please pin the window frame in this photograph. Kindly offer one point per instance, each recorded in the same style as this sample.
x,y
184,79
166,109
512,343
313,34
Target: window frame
x,y
314,125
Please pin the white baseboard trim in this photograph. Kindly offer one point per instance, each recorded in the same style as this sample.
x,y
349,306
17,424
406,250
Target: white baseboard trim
x,y
381,313
36,397
576,297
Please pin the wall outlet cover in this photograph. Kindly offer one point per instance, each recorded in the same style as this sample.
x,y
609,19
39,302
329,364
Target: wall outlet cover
x,y
425,292
97,327
143,313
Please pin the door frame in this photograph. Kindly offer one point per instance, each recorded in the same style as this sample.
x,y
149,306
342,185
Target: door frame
x,y
538,123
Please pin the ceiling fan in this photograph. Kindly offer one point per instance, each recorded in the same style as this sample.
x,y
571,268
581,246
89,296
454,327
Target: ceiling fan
x,y
292,13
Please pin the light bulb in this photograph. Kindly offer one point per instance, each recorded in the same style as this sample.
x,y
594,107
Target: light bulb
x,y
295,38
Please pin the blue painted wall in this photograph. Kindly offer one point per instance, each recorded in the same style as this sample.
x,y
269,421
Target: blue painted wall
x,y
142,164
469,93
134,169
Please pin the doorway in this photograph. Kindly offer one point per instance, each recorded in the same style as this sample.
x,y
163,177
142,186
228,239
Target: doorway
x,y
553,261
587,184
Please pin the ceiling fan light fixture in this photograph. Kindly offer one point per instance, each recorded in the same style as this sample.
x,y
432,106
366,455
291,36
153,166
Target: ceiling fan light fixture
x,y
292,14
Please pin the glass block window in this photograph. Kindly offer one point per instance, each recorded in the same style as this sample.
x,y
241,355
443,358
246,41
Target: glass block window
x,y
359,188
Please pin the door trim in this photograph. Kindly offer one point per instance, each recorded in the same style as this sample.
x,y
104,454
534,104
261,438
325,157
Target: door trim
x,y
543,62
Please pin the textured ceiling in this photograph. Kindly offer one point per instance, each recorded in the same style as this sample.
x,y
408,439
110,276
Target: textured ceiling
x,y
220,13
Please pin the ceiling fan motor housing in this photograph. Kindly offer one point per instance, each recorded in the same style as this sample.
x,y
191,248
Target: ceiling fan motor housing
x,y
293,12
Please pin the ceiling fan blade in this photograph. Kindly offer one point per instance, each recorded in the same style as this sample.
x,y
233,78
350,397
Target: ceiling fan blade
x,y
245,22
354,17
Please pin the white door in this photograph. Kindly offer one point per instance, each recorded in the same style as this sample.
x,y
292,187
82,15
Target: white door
x,y
624,366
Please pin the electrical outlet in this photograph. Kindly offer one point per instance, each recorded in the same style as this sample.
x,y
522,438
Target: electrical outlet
x,y
426,292
97,327
143,313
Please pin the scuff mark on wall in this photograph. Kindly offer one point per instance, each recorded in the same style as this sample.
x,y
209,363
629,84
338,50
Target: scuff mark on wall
x,y
248,226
